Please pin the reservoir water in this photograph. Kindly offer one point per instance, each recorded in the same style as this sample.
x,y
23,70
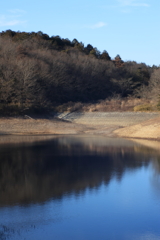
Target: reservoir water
x,y
79,187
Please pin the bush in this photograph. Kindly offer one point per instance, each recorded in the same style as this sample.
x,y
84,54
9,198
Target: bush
x,y
10,109
158,106
143,108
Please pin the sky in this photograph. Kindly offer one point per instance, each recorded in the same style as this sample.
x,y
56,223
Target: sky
x,y
130,28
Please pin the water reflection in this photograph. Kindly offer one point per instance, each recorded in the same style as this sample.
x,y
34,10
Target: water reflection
x,y
35,171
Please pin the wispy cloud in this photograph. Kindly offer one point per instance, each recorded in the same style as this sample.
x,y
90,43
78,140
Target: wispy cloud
x,y
147,236
4,22
97,25
16,11
133,3
12,19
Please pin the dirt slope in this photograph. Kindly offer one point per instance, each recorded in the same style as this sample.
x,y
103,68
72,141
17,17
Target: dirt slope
x,y
123,124
148,129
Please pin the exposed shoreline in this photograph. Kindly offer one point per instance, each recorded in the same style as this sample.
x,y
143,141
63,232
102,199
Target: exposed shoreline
x,y
112,124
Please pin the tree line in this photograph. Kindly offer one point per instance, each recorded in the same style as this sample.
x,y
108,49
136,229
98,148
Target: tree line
x,y
40,72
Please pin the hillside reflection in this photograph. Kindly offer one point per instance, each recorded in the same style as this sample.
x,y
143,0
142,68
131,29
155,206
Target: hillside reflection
x,y
37,171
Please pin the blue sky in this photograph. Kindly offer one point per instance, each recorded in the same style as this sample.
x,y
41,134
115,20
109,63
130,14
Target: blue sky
x,y
130,28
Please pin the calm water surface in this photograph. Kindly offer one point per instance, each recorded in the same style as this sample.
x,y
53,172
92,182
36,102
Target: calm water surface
x,y
80,188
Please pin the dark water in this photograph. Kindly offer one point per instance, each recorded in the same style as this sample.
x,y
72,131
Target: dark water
x,y
79,188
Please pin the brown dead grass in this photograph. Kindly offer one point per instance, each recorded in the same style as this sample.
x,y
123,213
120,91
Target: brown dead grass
x,y
110,105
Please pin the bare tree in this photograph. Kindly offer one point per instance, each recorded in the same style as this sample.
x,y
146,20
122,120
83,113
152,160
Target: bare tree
x,y
154,85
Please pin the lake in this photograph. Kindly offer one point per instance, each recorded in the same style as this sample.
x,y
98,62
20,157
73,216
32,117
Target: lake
x,y
79,187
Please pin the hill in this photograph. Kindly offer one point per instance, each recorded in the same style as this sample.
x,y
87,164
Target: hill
x,y
38,73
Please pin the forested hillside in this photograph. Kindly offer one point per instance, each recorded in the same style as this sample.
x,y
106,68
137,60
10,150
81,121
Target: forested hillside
x,y
41,72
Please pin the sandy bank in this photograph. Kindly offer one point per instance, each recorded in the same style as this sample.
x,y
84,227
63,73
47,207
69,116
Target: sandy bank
x,y
124,124
149,129
20,126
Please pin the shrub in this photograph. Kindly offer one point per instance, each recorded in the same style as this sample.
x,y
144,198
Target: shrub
x,y
143,108
158,106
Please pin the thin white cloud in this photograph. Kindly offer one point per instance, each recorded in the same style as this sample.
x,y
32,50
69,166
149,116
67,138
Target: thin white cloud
x,y
16,11
4,23
146,236
97,25
13,19
133,3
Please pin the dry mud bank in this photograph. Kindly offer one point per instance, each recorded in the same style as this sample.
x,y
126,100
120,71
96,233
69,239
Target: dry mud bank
x,y
149,129
118,119
124,124
20,126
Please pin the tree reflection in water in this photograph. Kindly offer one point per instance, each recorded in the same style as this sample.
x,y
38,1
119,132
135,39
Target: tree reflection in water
x,y
35,172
